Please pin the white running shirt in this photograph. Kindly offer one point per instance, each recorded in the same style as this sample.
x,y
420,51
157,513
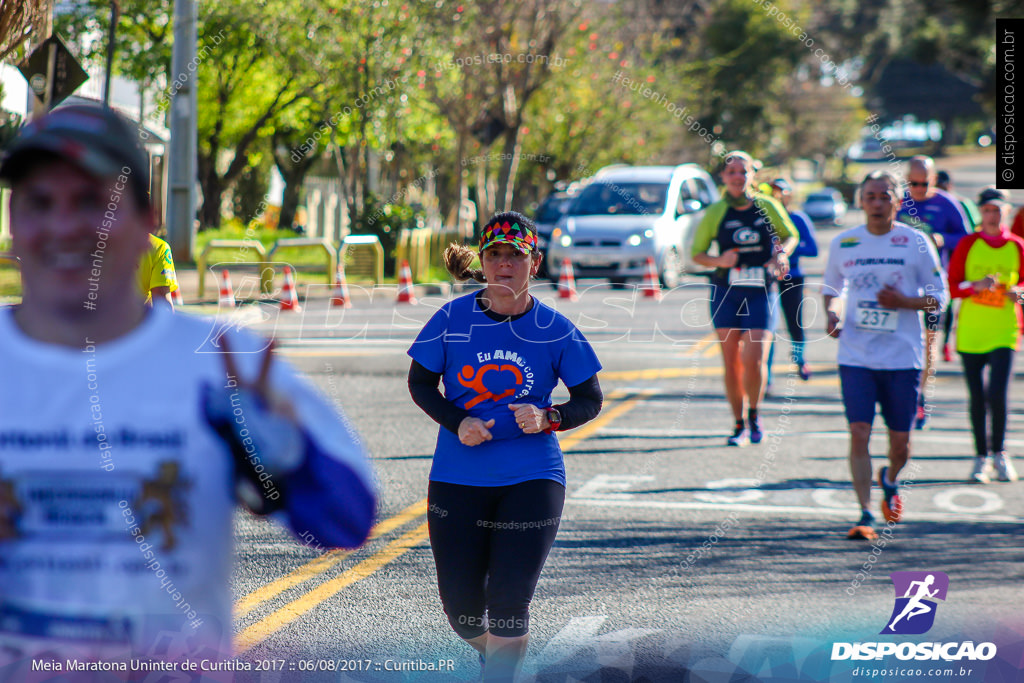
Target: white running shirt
x,y
861,264
72,509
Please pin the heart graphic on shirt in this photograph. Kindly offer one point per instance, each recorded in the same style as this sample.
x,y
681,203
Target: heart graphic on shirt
x,y
490,381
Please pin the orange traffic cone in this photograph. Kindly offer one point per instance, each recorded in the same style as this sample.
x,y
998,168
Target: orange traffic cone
x,y
405,291
341,297
176,297
227,297
566,282
289,300
651,285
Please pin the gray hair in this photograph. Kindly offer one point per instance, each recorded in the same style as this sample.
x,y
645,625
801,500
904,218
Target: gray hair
x,y
892,181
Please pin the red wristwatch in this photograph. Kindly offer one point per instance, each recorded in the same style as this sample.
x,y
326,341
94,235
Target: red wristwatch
x,y
554,419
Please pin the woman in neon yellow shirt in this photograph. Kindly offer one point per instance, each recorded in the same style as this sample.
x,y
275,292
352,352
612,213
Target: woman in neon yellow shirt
x,y
985,271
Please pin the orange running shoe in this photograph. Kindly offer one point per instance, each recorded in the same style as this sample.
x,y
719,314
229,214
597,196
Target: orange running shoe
x,y
892,505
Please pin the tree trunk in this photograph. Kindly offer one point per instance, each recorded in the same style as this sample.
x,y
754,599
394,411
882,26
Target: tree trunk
x,y
484,199
290,199
213,194
294,174
460,169
509,169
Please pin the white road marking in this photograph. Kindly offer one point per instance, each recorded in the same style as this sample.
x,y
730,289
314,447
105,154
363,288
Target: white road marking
x,y
746,491
878,435
603,485
915,437
826,498
766,408
990,501
810,512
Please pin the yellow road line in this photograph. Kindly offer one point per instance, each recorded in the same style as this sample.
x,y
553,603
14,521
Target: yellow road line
x,y
323,563
568,441
712,349
676,373
702,345
324,353
273,623
661,373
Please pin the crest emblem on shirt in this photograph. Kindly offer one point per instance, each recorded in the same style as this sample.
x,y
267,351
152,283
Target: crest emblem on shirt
x,y
10,510
162,505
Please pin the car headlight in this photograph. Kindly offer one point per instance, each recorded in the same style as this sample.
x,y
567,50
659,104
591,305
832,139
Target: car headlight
x,y
565,241
636,239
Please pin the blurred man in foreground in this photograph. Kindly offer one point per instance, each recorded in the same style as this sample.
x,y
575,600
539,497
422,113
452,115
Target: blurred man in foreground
x,y
126,432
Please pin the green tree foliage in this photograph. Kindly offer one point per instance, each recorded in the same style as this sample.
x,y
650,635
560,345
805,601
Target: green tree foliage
x,y
494,100
501,55
257,67
144,37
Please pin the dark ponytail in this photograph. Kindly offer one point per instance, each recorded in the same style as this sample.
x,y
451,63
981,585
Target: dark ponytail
x,y
457,260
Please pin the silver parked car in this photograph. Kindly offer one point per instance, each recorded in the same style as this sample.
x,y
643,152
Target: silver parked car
x,y
826,206
625,215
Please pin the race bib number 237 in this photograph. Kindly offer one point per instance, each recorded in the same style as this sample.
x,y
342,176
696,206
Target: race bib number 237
x,y
872,317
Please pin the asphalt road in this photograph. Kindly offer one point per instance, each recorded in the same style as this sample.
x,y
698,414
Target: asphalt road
x,y
678,558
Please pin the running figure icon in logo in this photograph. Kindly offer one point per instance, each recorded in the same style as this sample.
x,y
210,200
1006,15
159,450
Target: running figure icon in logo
x,y
913,590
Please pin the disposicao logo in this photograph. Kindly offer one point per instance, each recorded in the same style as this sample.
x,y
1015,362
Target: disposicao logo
x,y
914,614
916,592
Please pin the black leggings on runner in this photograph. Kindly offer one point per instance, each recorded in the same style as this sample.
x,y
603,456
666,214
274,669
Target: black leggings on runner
x,y
490,544
1000,362
791,296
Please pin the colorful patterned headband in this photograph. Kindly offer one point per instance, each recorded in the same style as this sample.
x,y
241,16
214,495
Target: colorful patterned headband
x,y
519,237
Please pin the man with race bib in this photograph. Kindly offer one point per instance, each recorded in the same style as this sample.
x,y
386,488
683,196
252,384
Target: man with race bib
x,y
889,272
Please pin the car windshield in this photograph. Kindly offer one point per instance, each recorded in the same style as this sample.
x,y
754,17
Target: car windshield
x,y
552,209
820,197
620,199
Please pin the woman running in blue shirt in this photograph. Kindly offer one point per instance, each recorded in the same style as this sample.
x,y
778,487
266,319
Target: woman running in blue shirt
x,y
497,484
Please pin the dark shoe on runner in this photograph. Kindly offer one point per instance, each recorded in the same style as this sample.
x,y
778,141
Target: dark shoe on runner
x,y
755,431
740,437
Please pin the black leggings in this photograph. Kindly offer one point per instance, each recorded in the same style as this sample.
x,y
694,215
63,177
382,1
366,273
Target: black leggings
x,y
490,544
791,296
1000,362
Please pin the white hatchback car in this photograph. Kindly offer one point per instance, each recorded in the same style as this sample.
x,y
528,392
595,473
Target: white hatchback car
x,y
626,214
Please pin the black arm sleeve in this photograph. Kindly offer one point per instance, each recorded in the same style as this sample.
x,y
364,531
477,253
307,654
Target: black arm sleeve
x,y
423,385
584,404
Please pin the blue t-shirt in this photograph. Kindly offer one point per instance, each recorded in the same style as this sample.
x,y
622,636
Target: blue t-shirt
x,y
485,366
939,213
808,241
